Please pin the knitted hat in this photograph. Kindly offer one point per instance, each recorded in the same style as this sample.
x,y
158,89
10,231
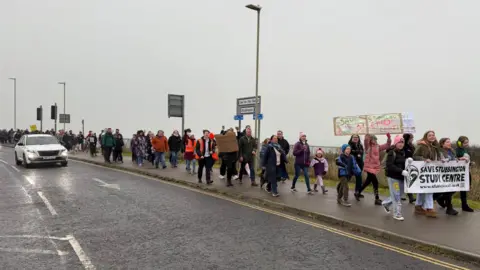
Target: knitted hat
x,y
344,147
302,134
211,136
319,151
398,138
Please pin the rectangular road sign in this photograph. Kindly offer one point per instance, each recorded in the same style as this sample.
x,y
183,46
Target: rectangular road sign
x,y
176,104
64,118
246,105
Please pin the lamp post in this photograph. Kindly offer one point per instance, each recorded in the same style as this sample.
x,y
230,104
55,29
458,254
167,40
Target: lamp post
x,y
14,102
64,103
257,8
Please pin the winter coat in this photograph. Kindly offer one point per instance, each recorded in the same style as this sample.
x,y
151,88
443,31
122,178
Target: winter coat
x,y
175,143
119,142
160,144
372,155
395,164
427,151
357,152
302,155
246,146
347,166
108,140
269,161
320,166
285,145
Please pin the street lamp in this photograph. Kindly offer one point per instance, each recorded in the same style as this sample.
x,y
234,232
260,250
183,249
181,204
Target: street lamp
x,y
14,102
64,103
257,8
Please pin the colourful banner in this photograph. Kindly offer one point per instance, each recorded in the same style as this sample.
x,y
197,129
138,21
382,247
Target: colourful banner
x,y
368,124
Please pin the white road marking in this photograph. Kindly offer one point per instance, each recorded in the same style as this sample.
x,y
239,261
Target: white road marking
x,y
3,161
35,236
30,200
35,251
82,256
15,168
29,180
105,184
47,203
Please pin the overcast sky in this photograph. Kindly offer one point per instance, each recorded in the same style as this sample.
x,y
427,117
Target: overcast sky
x,y
318,59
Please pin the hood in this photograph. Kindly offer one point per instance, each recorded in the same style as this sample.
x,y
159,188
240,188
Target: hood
x,y
46,147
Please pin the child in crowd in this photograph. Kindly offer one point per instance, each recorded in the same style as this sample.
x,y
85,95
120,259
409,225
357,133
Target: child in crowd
x,y
396,173
320,168
347,167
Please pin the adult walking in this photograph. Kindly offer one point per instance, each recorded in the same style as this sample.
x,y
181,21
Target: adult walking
x,y
118,150
462,154
273,158
160,147
445,199
286,149
189,154
175,145
372,164
301,151
247,152
408,149
428,150
140,147
204,151
357,152
108,142
229,161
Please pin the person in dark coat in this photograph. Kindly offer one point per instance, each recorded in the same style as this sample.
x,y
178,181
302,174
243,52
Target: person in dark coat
x,y
408,149
174,145
117,151
357,152
273,158
286,149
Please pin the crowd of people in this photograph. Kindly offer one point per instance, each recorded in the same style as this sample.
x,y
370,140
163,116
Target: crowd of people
x,y
354,160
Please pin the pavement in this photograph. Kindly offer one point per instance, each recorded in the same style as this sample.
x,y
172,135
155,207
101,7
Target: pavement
x,y
89,217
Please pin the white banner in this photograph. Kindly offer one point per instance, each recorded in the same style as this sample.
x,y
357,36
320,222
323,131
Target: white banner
x,y
436,177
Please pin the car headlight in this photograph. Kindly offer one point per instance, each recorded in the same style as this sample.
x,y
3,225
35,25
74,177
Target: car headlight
x,y
31,153
64,153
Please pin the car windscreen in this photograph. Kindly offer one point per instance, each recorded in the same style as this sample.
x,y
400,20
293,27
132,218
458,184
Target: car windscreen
x,y
41,140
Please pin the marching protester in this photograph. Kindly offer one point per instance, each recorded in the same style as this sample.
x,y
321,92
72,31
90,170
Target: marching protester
x,y
92,143
108,142
272,160
357,153
189,154
100,140
395,172
428,150
320,168
204,151
286,149
462,154
372,164
408,149
445,199
175,145
263,150
80,141
160,146
140,147
301,151
247,151
229,161
347,168
118,149
132,148
150,152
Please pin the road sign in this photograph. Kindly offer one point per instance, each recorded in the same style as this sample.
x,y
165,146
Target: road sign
x,y
246,105
260,116
238,117
176,104
64,118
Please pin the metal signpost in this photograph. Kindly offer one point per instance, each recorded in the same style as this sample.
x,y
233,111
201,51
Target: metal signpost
x,y
64,119
176,108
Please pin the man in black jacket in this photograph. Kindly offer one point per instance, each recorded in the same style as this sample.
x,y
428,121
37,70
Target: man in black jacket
x,y
117,151
286,148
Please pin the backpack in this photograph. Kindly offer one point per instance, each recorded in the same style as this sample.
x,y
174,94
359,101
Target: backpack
x,y
384,160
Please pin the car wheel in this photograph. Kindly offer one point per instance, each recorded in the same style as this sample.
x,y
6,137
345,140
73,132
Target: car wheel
x,y
64,164
25,164
18,162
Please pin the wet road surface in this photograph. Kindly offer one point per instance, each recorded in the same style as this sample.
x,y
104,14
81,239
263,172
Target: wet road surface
x,y
88,217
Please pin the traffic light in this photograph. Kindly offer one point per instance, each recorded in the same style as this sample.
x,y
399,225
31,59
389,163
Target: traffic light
x,y
39,113
53,112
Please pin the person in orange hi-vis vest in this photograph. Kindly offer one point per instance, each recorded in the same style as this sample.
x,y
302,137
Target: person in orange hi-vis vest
x,y
205,153
189,155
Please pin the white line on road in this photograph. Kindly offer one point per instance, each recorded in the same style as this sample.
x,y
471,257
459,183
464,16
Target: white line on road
x,y
35,251
29,180
47,203
105,184
99,181
15,168
3,161
82,256
35,236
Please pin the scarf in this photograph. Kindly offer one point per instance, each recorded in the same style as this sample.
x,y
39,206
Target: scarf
x,y
277,147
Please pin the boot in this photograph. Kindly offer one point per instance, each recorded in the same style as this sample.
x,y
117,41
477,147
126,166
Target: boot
x,y
357,196
229,182
315,188
431,213
254,184
377,199
324,191
466,208
419,210
451,212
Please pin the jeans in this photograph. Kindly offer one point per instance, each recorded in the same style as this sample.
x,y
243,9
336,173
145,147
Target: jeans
x,y
139,160
396,192
160,158
283,171
107,152
342,188
117,155
304,168
252,170
425,200
206,162
174,158
191,163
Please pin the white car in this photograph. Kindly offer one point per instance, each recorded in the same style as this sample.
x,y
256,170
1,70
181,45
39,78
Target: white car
x,y
40,149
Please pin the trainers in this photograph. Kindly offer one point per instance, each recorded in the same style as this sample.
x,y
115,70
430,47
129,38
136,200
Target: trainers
x,y
310,192
293,189
266,189
419,210
344,203
235,177
399,218
378,202
254,184
275,195
221,177
451,212
357,196
387,208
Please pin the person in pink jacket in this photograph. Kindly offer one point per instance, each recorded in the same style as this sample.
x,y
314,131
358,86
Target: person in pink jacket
x,y
372,164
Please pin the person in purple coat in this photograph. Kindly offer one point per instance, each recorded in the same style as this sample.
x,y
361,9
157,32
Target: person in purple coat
x,y
301,151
